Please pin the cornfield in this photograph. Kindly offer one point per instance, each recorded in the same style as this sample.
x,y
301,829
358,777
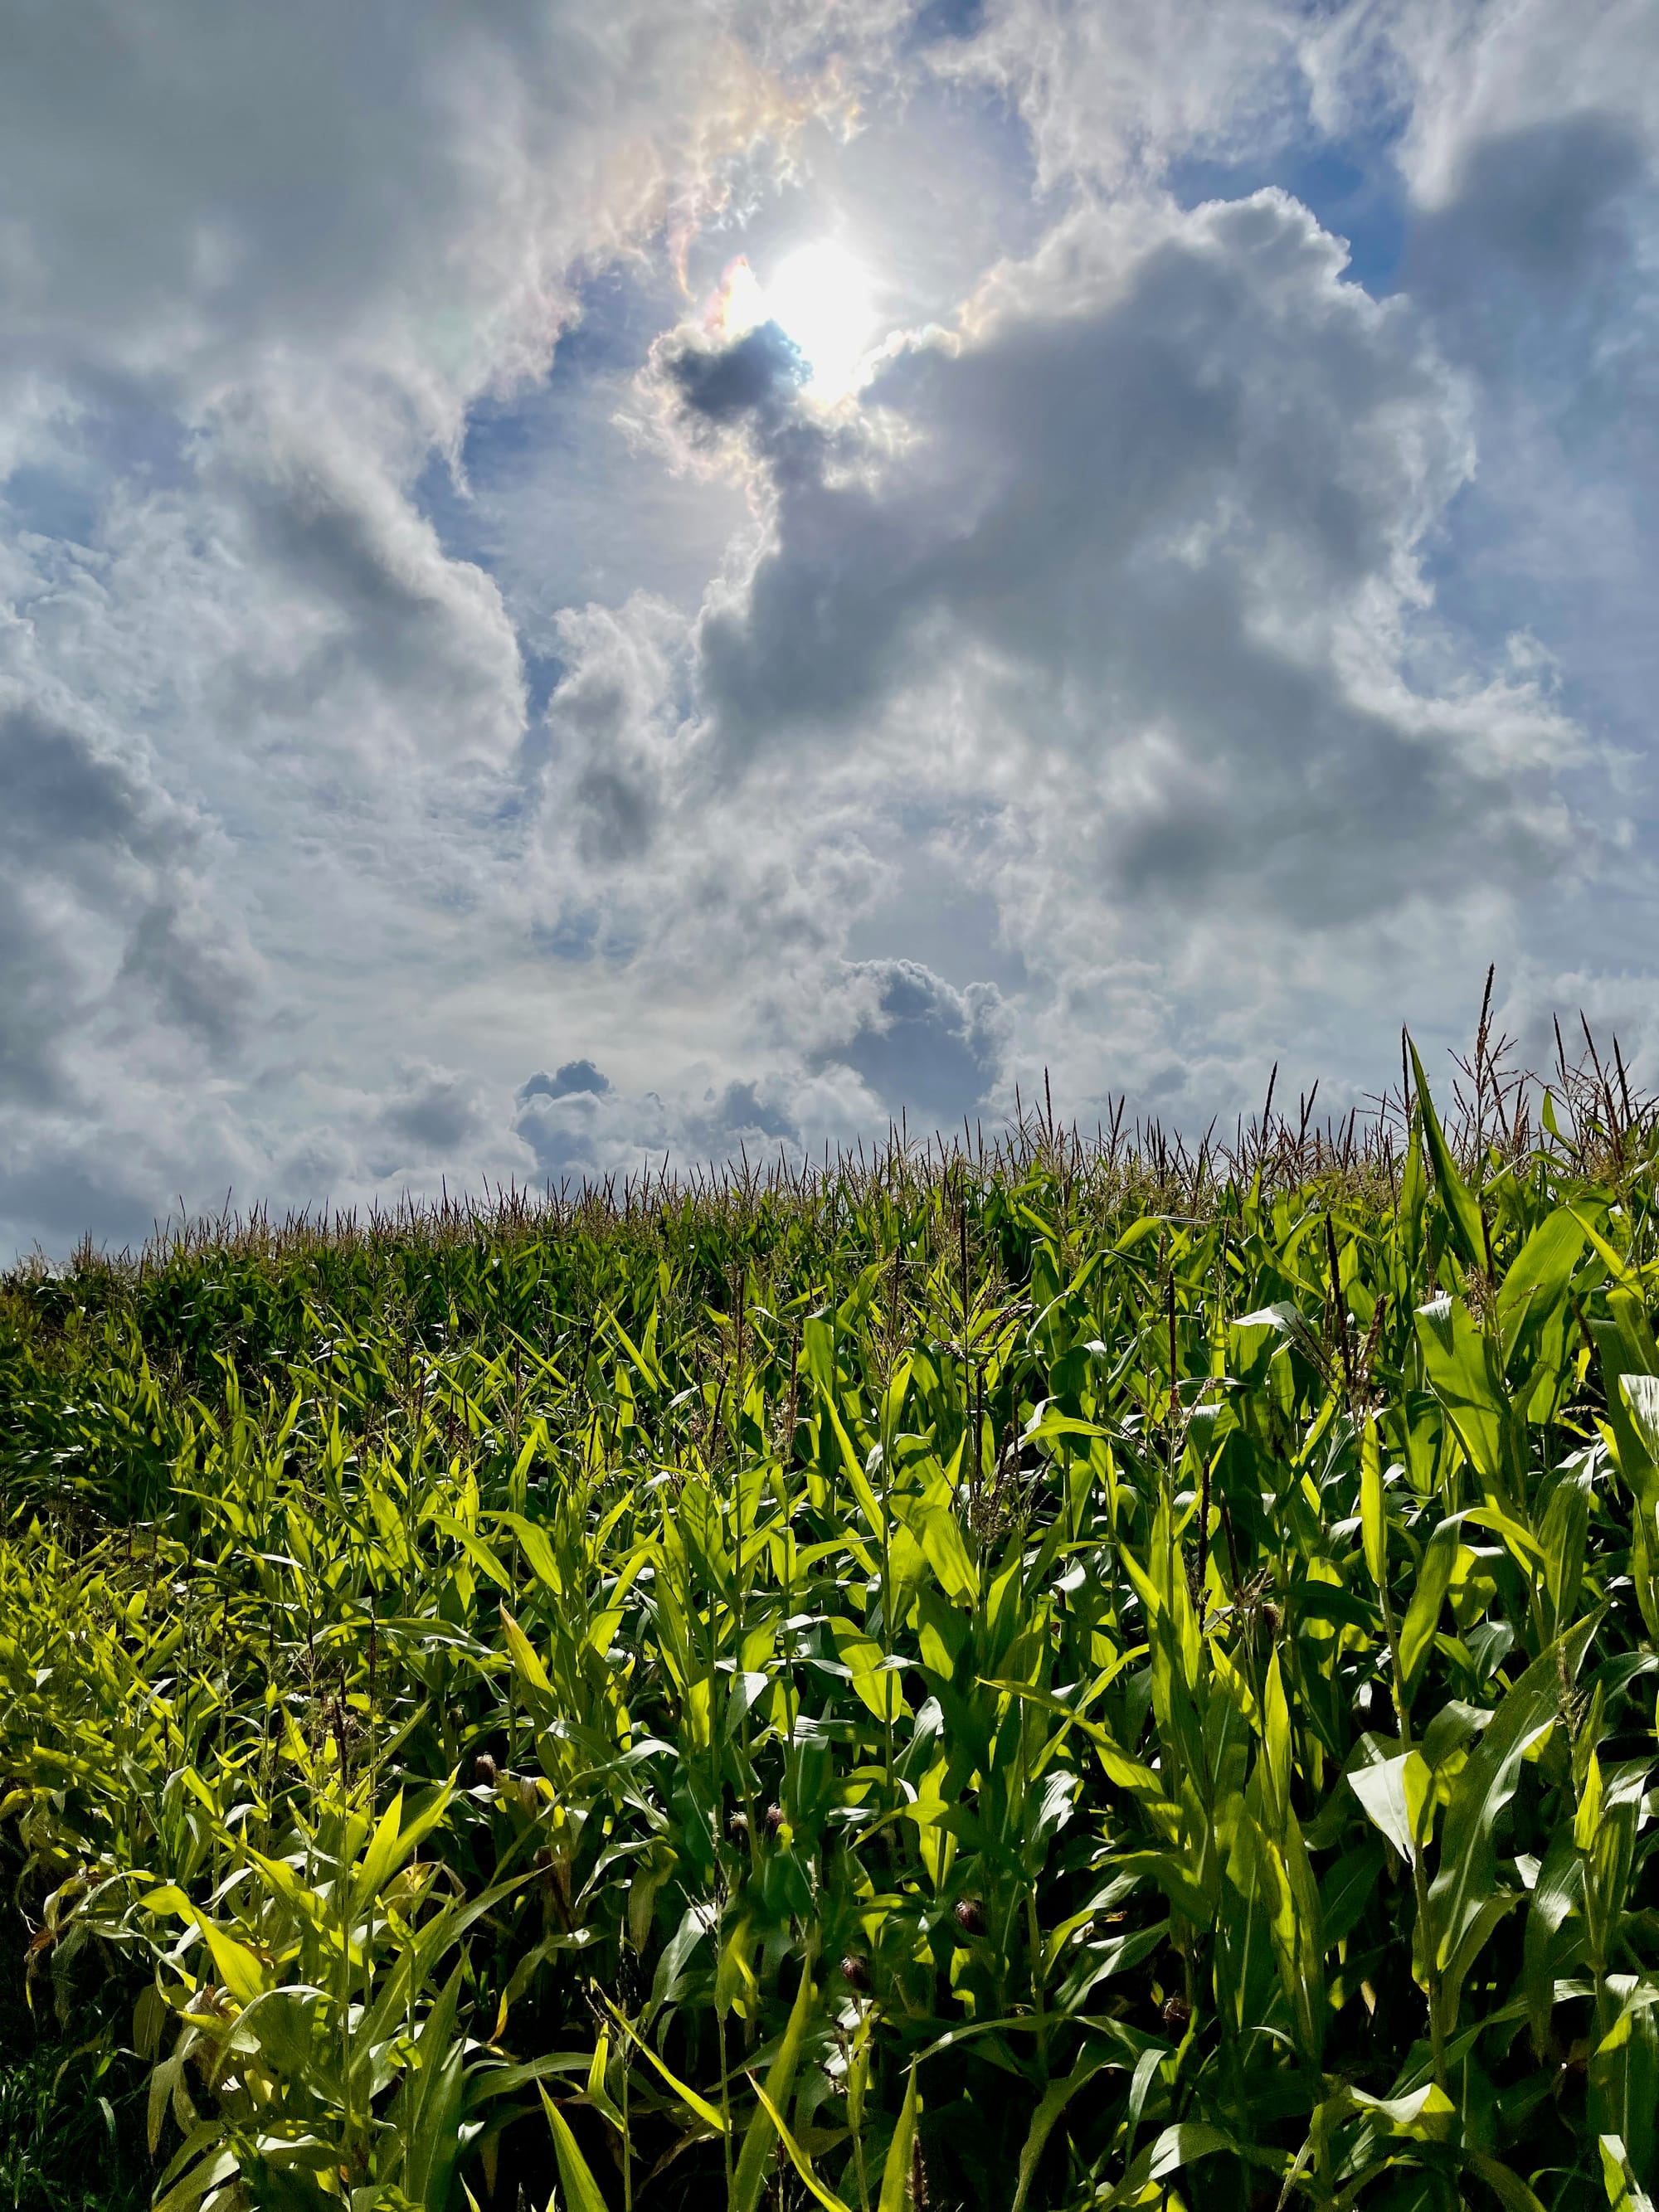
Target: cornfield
x,y
1050,1675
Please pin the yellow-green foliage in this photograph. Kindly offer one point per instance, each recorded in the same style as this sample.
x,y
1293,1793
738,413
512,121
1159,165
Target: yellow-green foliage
x,y
1023,1682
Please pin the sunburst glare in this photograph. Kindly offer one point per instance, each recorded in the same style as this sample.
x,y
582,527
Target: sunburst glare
x,y
820,296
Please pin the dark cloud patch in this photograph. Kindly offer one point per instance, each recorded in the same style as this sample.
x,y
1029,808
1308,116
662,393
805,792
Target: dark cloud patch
x,y
38,999
52,1195
1539,251
757,376
559,1133
311,529
197,972
1163,498
619,810
921,1047
435,1110
575,1075
67,799
401,650
100,892
740,1111
1544,201
1065,457
949,20
609,726
588,1127
1537,261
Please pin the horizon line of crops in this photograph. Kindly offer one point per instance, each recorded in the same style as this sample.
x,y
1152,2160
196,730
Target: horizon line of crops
x,y
1053,1678
1591,1117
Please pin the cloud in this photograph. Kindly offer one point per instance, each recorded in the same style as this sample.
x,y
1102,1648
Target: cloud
x,y
1116,96
611,726
256,275
420,638
575,1076
191,194
740,1111
105,877
1120,594
1460,75
1112,92
585,1127
757,377
1536,268
1542,199
1528,150
1161,511
923,1049
200,982
356,613
435,1110
560,1135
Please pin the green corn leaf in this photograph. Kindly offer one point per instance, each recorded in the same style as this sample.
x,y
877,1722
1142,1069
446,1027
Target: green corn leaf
x,y
394,1844
1467,1878
1629,1376
1278,1753
1183,2144
1414,1187
947,1554
1417,1630
1462,1213
1608,1253
476,1549
709,2114
896,2173
238,1967
1556,1894
760,2136
1348,1889
1562,1539
1383,1789
1505,2184
582,2192
798,2158
1624,2192
428,2118
212,2173
1521,1545
534,1542
530,1667
1537,1279
491,2082
1373,1512
1424,2114
1460,1360
1640,1394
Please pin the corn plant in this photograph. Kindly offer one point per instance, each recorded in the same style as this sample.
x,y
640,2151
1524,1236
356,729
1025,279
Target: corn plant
x,y
1050,1675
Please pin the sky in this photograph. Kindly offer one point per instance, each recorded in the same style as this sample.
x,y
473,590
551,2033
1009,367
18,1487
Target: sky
x,y
586,584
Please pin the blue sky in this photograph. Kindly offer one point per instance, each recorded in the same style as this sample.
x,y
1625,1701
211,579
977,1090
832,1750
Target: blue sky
x,y
478,700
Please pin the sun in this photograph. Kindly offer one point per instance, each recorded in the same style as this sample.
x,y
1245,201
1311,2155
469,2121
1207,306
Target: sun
x,y
820,296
